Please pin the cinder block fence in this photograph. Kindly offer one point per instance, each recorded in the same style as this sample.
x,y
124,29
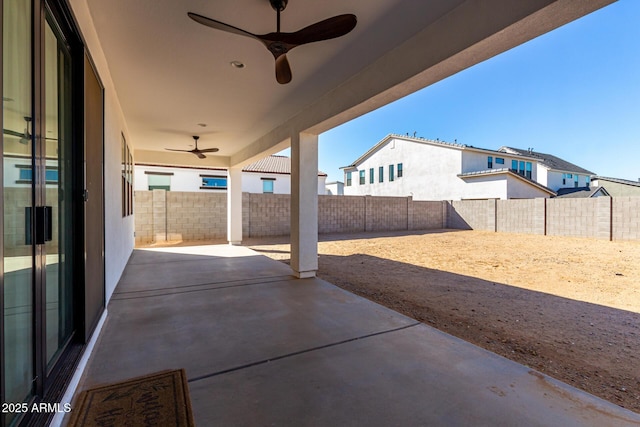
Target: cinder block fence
x,y
169,215
164,216
611,218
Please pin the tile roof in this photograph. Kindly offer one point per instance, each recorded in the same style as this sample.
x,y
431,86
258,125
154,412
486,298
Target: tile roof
x,y
548,160
273,164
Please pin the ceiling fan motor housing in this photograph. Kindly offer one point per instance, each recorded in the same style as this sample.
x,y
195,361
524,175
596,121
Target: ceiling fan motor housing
x,y
279,5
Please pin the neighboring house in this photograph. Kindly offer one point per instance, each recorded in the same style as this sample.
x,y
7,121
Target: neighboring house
x,y
554,172
617,187
437,170
335,188
582,192
271,174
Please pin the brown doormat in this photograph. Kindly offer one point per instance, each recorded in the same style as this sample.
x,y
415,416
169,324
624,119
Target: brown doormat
x,y
160,399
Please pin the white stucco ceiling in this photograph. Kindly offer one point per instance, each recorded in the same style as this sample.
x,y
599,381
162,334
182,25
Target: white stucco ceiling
x,y
171,73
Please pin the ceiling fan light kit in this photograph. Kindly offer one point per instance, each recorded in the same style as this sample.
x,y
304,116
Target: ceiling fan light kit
x,y
280,43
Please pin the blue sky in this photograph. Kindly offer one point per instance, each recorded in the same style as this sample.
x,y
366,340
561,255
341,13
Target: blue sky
x,y
574,93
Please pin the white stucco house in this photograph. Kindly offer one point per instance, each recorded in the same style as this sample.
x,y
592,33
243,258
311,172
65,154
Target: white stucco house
x,y
554,172
334,188
616,187
271,174
437,170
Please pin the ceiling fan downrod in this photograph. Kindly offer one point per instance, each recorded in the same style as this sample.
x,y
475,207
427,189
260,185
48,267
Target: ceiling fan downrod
x,y
278,6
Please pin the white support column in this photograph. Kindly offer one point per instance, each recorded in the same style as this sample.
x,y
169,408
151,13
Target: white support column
x,y
304,204
234,206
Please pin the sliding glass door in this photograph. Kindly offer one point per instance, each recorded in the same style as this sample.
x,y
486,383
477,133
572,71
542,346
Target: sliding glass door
x,y
58,192
37,287
18,201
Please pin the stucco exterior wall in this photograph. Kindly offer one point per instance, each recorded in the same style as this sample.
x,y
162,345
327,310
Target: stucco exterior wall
x,y
554,179
189,179
473,161
430,172
182,179
517,189
616,189
119,230
435,179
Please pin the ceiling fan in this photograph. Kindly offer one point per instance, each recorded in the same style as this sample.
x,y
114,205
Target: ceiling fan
x,y
280,43
196,150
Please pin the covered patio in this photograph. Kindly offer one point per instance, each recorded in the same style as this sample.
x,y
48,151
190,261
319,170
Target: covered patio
x,y
261,347
261,342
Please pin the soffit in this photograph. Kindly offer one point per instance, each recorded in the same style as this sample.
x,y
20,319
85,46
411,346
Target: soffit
x,y
171,73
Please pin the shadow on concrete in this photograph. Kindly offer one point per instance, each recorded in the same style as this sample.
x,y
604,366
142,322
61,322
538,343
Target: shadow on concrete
x,y
590,346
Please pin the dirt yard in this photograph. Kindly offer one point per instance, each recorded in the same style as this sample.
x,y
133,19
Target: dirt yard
x,y
567,307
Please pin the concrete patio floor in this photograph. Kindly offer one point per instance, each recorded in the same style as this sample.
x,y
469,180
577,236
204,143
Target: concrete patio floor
x,y
263,348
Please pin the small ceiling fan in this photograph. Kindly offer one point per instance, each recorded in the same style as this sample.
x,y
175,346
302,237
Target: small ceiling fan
x,y
196,150
280,43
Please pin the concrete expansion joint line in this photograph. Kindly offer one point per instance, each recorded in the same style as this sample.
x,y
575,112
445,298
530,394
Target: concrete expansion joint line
x,y
202,287
296,353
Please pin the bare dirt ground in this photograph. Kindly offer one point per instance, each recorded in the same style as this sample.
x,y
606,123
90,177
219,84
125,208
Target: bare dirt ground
x,y
567,307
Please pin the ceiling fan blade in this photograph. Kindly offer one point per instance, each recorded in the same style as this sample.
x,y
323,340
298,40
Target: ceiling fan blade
x,y
184,151
209,150
330,28
200,155
283,70
220,25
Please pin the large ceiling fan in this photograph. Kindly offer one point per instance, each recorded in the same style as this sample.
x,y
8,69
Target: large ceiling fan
x,y
196,150
280,43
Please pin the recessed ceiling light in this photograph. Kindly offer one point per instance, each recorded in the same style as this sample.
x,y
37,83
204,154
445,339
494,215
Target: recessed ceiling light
x,y
237,64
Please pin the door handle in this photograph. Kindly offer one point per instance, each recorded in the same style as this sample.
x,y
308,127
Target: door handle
x,y
48,223
44,225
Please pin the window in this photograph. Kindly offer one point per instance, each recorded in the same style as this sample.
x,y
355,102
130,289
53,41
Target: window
x,y
362,177
576,180
127,179
371,176
390,172
587,180
499,161
528,170
521,168
213,182
267,185
381,174
159,180
25,174
490,162
399,170
514,165
348,179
